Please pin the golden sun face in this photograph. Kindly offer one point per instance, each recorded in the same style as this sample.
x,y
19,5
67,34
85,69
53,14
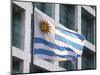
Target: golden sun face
x,y
44,26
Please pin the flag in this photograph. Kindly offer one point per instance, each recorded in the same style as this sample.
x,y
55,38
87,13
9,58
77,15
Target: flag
x,y
53,41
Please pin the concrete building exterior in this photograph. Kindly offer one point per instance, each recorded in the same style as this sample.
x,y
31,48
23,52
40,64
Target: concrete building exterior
x,y
80,18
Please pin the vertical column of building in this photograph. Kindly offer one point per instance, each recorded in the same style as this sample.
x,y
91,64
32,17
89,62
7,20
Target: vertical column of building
x,y
78,29
27,45
55,15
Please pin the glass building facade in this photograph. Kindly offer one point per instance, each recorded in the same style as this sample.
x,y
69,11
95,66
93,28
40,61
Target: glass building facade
x,y
66,15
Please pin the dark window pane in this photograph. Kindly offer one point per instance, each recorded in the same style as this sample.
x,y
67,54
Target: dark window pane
x,y
17,65
88,27
67,16
16,29
45,7
67,65
17,26
88,59
93,7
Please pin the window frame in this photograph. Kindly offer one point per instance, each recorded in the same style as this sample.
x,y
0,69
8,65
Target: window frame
x,y
21,11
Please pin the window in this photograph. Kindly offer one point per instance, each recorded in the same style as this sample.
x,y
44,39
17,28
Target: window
x,y
88,26
67,65
17,65
67,16
88,59
17,27
93,7
45,7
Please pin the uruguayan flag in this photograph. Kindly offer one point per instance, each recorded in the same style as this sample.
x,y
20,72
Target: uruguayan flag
x,y
60,43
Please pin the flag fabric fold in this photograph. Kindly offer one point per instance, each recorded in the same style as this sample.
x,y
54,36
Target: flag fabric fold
x,y
53,41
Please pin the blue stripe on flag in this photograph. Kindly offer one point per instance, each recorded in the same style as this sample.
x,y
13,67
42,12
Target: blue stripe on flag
x,y
79,55
75,45
52,45
42,51
75,35
50,53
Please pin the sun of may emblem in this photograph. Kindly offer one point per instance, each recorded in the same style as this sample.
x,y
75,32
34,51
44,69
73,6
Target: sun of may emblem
x,y
44,27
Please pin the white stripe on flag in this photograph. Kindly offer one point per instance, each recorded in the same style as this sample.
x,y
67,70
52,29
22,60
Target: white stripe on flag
x,y
52,58
65,28
76,40
42,56
56,51
79,52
